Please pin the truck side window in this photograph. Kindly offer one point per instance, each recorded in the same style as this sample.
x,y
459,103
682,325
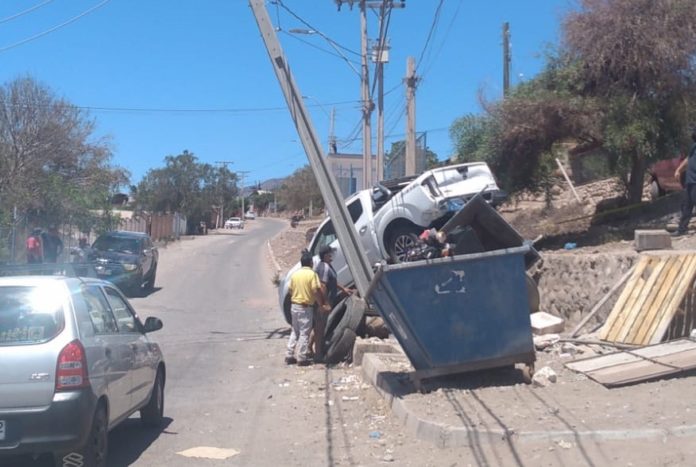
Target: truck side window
x,y
325,236
355,210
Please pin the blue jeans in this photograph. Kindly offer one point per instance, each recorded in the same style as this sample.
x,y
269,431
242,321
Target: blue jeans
x,y
687,206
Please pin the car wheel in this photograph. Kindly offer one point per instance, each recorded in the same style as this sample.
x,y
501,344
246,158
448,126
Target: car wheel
x,y
152,413
401,242
655,190
150,284
94,452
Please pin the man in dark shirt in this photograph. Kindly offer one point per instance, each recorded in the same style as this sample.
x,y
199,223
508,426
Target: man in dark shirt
x,y
688,165
52,245
330,287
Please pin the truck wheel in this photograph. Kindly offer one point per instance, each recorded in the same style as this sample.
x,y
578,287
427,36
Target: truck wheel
x,y
401,242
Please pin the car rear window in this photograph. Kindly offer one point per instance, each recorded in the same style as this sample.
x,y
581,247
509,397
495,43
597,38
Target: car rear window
x,y
117,244
29,315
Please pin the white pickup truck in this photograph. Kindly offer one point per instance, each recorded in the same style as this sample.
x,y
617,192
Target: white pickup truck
x,y
389,217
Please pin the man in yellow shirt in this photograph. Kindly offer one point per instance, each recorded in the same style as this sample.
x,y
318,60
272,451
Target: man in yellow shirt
x,y
305,290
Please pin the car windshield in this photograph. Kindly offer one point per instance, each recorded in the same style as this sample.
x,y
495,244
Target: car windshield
x,y
30,315
117,244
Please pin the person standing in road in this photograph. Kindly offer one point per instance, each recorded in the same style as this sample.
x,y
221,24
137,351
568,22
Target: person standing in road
x,y
33,245
330,287
688,165
52,245
305,290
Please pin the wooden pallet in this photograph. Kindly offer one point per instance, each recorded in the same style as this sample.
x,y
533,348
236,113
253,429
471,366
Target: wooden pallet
x,y
645,364
657,303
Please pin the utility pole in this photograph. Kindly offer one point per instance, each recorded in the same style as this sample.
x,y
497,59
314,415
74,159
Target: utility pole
x,y
242,174
507,58
332,136
222,196
368,105
411,82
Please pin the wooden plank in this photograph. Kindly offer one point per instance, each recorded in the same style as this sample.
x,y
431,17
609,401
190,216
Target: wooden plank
x,y
637,313
684,360
683,285
662,300
630,302
603,361
651,307
598,306
667,348
631,373
625,294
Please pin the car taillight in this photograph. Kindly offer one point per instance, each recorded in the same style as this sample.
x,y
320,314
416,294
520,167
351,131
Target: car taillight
x,y
71,372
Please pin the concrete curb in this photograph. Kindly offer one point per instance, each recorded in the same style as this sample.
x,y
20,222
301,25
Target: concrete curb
x,y
446,436
273,258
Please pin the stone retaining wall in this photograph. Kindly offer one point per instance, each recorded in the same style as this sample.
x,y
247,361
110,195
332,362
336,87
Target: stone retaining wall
x,y
571,283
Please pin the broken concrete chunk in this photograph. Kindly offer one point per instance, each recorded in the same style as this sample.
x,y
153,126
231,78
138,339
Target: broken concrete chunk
x,y
544,377
546,340
652,240
544,323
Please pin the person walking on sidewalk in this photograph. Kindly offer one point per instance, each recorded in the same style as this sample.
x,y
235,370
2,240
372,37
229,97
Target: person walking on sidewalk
x,y
688,165
305,292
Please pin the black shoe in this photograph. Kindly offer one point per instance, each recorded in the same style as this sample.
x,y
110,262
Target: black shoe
x,y
678,233
290,360
304,363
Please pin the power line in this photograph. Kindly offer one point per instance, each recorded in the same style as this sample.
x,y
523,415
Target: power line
x,y
22,13
433,26
174,110
55,28
327,51
444,39
323,36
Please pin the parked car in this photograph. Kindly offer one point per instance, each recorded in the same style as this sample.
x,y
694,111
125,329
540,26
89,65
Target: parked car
x,y
389,217
76,361
251,215
234,223
127,259
662,177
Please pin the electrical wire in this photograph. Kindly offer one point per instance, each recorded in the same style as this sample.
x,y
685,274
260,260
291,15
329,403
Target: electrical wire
x,y
327,51
444,39
22,13
433,26
321,34
55,28
174,110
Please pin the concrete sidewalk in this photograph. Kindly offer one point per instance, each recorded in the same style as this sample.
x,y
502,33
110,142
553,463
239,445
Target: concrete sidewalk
x,y
495,406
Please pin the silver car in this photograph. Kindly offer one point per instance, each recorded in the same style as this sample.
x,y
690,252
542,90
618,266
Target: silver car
x,y
75,361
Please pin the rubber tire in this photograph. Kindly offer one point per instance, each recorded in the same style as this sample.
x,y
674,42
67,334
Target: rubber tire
x,y
150,284
152,414
408,235
340,348
95,451
533,295
655,190
287,314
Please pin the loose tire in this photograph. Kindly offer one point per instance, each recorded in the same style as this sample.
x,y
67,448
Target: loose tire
x,y
340,347
401,241
94,452
153,412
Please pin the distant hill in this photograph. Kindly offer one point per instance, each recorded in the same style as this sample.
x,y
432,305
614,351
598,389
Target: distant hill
x,y
272,184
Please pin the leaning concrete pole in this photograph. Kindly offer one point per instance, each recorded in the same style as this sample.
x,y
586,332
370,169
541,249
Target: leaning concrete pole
x,y
345,230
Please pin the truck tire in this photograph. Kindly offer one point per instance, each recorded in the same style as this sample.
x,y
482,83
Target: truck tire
x,y
401,241
341,347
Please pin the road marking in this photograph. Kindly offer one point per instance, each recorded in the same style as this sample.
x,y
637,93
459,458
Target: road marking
x,y
208,452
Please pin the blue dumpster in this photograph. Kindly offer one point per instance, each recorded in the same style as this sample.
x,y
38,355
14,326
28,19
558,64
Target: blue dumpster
x,y
460,313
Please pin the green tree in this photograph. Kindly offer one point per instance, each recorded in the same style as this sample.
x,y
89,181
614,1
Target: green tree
x,y
52,167
300,189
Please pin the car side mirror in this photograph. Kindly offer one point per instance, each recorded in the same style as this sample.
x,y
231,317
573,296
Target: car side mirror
x,y
153,324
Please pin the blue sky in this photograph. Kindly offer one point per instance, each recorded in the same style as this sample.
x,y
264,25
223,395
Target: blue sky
x,y
162,76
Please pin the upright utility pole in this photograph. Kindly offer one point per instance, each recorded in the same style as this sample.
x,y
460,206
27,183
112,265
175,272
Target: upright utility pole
x,y
411,82
332,135
366,101
242,174
507,58
222,197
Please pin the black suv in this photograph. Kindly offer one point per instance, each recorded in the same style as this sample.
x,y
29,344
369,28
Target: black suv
x,y
127,259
